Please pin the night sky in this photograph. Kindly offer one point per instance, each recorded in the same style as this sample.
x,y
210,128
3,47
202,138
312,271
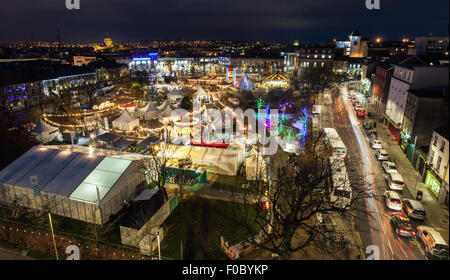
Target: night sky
x,y
248,20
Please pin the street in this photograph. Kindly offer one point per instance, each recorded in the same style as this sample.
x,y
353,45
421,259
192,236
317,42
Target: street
x,y
371,217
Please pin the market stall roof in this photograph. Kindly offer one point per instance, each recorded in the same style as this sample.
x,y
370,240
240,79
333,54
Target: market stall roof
x,y
276,77
150,107
149,141
121,144
125,117
42,127
201,92
167,111
107,137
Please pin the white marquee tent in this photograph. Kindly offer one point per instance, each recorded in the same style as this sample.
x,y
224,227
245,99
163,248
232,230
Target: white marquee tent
x,y
217,160
45,132
83,186
149,112
125,121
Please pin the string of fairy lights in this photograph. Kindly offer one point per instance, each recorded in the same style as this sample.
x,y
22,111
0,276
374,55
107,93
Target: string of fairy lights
x,y
62,239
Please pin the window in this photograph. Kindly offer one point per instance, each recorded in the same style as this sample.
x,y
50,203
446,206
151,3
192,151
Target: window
x,y
438,163
435,140
442,146
431,157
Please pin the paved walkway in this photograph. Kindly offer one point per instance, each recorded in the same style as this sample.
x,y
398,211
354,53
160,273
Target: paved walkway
x,y
437,215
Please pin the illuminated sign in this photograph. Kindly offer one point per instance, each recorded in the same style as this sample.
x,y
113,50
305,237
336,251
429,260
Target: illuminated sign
x,y
432,183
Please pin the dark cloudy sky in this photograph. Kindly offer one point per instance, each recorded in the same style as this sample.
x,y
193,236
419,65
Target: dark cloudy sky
x,y
252,20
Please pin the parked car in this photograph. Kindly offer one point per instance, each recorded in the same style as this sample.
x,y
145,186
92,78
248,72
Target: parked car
x,y
375,143
355,102
381,154
402,225
389,167
372,134
395,181
435,245
393,200
361,113
414,209
369,125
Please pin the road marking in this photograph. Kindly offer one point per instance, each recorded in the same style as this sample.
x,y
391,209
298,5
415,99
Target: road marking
x,y
363,256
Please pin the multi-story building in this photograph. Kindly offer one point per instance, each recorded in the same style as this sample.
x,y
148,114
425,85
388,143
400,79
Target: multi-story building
x,y
382,79
290,61
425,109
384,48
438,159
404,78
83,60
315,56
430,45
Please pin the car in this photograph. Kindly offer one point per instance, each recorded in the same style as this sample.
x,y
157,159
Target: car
x,y
402,225
395,181
373,134
435,245
355,102
381,154
361,113
358,107
393,200
414,209
375,143
389,167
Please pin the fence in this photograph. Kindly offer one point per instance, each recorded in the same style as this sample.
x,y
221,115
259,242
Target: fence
x,y
33,238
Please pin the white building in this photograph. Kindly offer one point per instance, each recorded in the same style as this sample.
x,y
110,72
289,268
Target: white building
x,y
408,77
438,162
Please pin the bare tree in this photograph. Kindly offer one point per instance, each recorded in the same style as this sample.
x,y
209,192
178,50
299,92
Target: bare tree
x,y
299,188
318,78
155,165
182,178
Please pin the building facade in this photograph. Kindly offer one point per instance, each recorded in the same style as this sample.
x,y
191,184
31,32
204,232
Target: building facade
x,y
438,159
404,78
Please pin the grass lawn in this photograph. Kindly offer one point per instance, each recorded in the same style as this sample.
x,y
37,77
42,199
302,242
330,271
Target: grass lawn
x,y
232,184
199,227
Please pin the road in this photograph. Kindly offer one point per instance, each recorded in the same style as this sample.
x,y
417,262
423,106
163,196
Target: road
x,y
372,225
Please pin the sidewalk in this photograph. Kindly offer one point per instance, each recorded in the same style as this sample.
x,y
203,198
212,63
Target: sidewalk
x,y
436,215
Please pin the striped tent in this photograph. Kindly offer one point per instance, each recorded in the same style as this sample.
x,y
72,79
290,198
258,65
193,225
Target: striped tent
x,y
276,77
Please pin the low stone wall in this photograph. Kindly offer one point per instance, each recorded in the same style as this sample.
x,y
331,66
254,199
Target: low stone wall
x,y
132,237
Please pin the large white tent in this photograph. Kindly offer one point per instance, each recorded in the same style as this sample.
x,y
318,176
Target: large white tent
x,y
216,160
45,132
125,121
82,186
